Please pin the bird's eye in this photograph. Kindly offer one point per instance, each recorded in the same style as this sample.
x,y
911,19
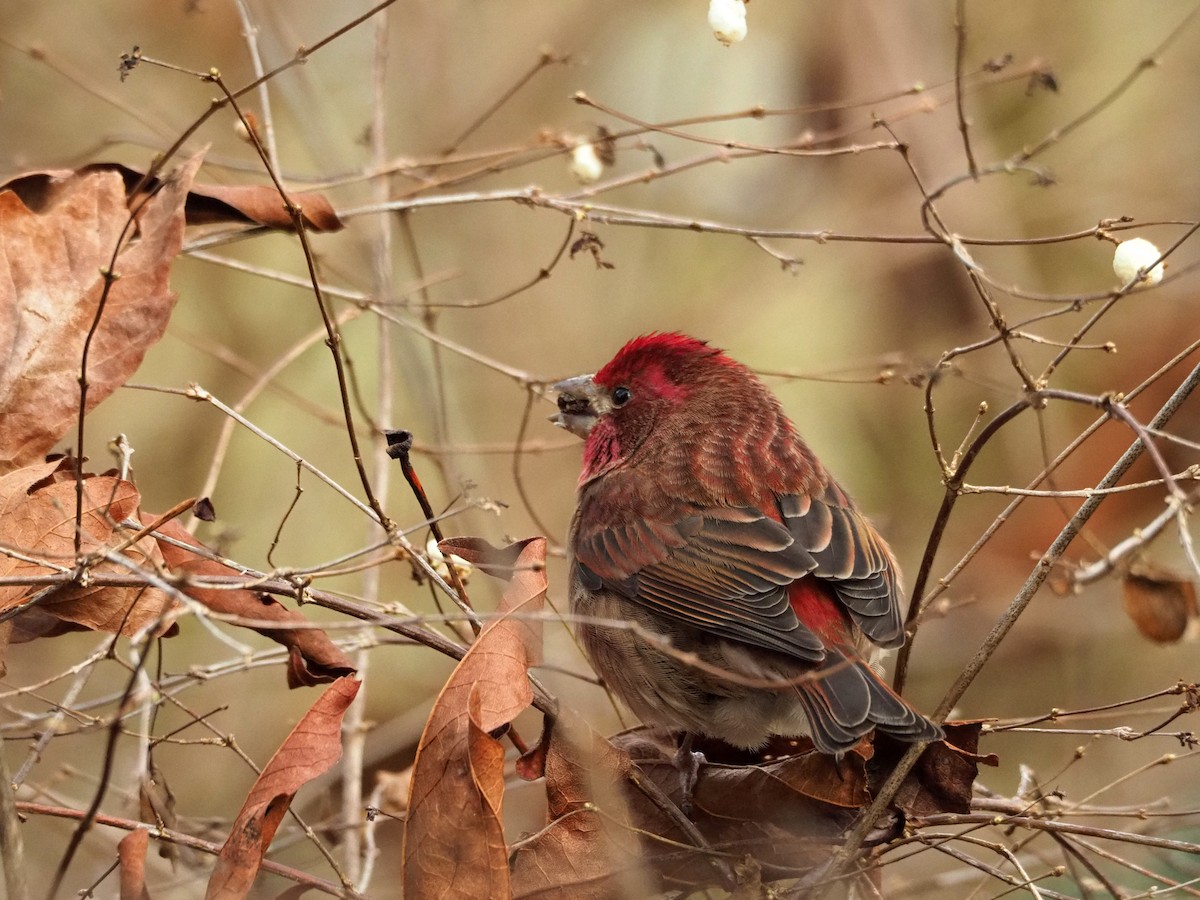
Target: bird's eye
x,y
621,396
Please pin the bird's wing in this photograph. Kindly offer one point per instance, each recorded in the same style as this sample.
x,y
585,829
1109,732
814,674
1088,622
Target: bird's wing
x,y
733,571
722,570
851,556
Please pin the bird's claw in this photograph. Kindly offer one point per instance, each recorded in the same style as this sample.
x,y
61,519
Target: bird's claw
x,y
687,763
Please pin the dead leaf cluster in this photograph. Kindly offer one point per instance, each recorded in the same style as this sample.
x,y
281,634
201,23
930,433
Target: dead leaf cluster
x,y
85,260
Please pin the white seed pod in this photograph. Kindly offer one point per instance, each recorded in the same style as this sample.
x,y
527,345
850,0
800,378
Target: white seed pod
x,y
585,163
1134,255
727,19
441,563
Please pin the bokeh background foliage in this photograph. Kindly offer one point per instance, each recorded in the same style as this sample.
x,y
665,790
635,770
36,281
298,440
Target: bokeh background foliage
x,y
848,334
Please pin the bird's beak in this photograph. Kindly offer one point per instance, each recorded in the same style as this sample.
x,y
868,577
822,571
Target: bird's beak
x,y
580,403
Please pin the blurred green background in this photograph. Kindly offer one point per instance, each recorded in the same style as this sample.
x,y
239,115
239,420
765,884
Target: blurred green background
x,y
851,311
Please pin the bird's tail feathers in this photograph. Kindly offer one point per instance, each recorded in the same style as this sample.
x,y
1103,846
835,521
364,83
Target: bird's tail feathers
x,y
847,700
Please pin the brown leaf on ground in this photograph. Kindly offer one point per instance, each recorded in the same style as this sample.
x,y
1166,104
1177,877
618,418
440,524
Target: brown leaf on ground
x,y
247,204
312,657
131,858
312,748
37,521
454,836
1159,602
51,256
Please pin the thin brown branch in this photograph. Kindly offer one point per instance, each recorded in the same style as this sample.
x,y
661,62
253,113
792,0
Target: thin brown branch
x,y
1040,824
12,844
184,840
546,59
960,55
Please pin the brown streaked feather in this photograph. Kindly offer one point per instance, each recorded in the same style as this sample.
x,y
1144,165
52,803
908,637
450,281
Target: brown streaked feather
x,y
851,556
725,570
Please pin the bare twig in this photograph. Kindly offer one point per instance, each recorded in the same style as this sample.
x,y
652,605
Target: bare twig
x,y
960,55
12,845
184,840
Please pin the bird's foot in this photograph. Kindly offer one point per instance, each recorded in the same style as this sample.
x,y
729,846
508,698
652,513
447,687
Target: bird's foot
x,y
687,763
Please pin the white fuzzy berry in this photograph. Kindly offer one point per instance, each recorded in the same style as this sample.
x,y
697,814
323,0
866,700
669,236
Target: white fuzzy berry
x,y
727,19
585,163
1137,255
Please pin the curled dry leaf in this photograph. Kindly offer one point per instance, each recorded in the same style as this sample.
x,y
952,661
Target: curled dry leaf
x,y
590,847
54,243
37,521
1159,603
312,748
312,657
454,835
258,204
582,853
246,204
942,780
131,858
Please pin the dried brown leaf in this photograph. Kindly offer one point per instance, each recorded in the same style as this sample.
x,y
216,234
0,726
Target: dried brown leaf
x,y
785,810
942,780
775,789
131,858
258,204
249,204
581,853
51,258
37,520
599,840
312,657
1159,603
454,835
310,750
531,765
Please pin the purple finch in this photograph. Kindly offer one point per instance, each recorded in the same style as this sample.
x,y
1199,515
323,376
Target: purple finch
x,y
705,522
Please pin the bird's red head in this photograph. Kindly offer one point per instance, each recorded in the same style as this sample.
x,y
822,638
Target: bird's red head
x,y
659,364
649,396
